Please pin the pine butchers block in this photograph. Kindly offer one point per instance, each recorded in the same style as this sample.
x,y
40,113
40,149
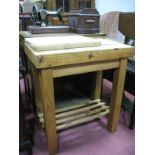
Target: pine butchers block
x,y
57,63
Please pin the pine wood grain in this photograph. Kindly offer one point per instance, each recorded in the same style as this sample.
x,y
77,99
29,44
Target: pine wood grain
x,y
116,97
73,112
78,55
82,120
96,85
48,104
52,64
39,44
36,85
78,105
83,68
82,115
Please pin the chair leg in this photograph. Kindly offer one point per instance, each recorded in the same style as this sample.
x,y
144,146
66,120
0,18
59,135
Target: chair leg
x,y
132,119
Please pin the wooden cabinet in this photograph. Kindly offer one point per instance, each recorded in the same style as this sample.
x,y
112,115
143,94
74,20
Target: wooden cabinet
x,y
68,5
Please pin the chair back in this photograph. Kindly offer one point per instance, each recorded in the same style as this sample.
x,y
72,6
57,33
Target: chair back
x,y
127,24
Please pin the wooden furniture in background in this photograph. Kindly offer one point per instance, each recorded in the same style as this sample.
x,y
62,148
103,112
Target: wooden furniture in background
x,y
25,20
25,139
109,25
53,5
126,24
67,6
84,21
127,27
26,110
70,4
121,27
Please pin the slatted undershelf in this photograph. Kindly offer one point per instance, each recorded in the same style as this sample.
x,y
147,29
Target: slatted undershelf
x,y
77,110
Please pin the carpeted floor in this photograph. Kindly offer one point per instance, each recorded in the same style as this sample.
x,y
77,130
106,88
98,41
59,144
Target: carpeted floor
x,y
91,138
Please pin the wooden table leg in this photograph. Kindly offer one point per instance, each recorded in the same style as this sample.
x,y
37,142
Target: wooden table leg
x,y
116,96
48,105
36,87
96,85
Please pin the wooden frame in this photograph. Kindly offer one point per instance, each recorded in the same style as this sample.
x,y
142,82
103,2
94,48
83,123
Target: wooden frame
x,y
50,65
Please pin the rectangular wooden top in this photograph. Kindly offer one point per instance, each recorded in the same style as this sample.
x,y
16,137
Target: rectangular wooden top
x,y
109,50
53,43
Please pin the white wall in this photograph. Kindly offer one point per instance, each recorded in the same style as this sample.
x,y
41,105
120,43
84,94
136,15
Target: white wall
x,y
104,6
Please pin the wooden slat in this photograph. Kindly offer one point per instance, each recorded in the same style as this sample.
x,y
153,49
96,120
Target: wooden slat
x,y
73,107
76,111
81,115
95,111
83,68
76,106
82,120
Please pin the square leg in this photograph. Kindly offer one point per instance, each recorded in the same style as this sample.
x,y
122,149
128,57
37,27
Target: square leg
x,y
116,96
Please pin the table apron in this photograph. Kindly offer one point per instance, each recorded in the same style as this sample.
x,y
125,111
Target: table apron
x,y
84,68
